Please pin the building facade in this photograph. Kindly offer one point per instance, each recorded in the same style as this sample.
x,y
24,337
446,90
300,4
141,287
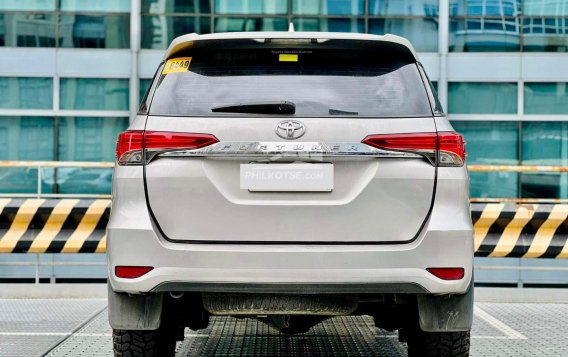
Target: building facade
x,y
72,73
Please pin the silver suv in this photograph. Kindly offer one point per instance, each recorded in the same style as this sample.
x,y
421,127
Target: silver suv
x,y
290,178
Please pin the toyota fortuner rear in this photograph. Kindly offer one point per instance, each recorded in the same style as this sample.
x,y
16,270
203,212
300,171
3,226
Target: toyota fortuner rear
x,y
291,177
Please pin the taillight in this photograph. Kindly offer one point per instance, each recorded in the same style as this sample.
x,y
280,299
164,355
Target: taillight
x,y
131,272
447,147
130,145
451,151
447,273
418,141
129,148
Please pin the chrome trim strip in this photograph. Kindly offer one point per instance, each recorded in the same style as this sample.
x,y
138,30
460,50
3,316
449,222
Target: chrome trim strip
x,y
300,289
279,151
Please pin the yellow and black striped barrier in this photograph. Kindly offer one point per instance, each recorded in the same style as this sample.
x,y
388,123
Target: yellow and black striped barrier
x,y
53,225
520,231
78,226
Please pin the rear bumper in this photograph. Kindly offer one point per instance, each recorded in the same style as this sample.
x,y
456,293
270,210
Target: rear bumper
x,y
446,241
234,267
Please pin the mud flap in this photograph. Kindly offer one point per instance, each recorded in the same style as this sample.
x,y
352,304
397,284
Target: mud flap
x,y
134,312
446,313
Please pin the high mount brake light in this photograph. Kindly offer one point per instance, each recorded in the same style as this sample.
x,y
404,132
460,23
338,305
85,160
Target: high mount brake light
x,y
448,147
130,144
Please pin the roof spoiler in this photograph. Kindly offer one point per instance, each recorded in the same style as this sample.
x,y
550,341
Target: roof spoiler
x,y
188,41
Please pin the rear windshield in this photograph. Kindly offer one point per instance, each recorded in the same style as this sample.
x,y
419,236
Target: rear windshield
x,y
319,82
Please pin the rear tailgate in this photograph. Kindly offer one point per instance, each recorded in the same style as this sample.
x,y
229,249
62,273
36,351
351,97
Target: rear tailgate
x,y
341,92
373,199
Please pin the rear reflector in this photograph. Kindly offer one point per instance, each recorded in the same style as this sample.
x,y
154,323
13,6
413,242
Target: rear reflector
x,y
449,146
447,273
131,272
130,144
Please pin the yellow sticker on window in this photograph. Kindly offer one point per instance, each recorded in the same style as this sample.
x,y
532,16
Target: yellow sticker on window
x,y
177,65
284,57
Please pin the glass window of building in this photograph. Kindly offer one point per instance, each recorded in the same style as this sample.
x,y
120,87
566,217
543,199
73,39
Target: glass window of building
x,y
545,8
546,98
485,7
544,143
329,24
231,24
484,35
26,93
176,6
328,7
274,7
27,5
84,24
424,8
95,6
87,139
475,25
94,94
482,98
33,29
503,25
159,30
491,143
25,138
164,20
545,34
94,30
415,20
485,25
421,32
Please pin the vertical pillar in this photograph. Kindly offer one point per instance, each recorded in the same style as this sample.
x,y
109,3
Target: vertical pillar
x,y
520,116
443,34
135,31
520,98
36,268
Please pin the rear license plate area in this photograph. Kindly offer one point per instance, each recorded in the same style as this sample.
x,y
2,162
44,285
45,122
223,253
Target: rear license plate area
x,y
295,177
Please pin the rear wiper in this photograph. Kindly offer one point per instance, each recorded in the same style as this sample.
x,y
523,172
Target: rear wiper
x,y
341,112
258,108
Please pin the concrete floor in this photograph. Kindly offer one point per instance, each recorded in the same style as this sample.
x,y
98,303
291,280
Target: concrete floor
x,y
79,327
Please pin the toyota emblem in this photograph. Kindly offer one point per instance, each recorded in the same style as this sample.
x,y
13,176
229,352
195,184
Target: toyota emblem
x,y
290,129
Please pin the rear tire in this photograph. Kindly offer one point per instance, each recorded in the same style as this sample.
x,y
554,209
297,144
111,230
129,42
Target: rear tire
x,y
442,344
138,343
